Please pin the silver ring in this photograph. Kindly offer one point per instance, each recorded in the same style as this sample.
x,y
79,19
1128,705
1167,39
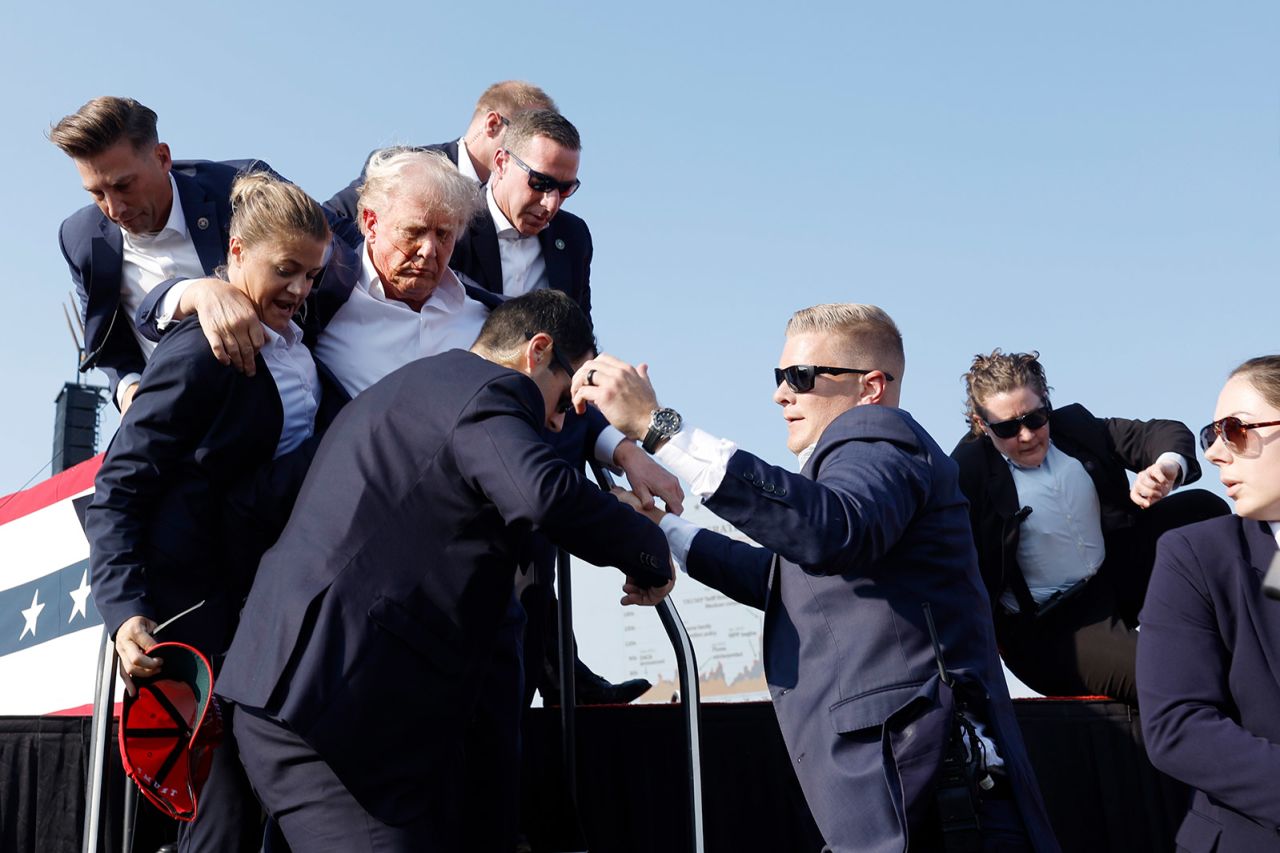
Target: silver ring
x,y
591,376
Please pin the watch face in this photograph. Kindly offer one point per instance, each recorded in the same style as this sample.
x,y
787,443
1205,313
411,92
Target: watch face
x,y
666,421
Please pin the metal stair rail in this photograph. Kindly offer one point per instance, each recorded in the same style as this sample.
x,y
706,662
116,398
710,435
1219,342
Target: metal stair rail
x,y
690,698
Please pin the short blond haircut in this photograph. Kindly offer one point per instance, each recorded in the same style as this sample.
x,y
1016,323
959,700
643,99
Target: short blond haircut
x,y
868,334
400,170
513,96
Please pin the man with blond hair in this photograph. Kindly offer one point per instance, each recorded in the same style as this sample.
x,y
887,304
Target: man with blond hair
x,y
878,645
473,152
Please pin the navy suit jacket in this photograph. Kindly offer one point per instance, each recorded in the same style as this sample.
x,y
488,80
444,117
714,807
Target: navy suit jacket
x,y
1209,681
1106,447
188,495
872,529
371,622
93,247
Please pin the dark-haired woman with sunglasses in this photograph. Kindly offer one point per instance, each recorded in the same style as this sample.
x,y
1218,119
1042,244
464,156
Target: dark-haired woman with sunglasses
x,y
1064,542
1209,650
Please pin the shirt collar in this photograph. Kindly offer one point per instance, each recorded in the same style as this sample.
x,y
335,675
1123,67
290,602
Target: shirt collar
x,y
291,337
1275,530
465,166
447,296
804,455
506,231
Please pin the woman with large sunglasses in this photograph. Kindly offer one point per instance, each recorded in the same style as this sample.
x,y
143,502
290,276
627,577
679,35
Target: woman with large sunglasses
x,y
1209,650
1065,544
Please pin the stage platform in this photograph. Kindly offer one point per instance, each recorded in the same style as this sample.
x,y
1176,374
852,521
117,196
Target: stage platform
x,y
1103,795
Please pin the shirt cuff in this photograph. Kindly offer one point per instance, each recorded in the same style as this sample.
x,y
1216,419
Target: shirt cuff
x,y
698,458
679,533
126,382
606,444
1182,464
169,304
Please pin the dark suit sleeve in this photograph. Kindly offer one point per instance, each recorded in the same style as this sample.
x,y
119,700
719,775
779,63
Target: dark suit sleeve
x,y
739,570
1184,694
119,353
866,494
149,311
501,452
178,399
1139,443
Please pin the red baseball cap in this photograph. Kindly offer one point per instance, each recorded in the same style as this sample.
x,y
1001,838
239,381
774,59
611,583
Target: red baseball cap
x,y
169,729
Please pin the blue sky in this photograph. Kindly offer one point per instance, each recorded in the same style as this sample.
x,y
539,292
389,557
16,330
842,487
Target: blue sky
x,y
1094,181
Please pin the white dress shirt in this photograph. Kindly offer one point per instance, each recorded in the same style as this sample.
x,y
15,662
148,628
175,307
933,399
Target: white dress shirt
x,y
147,260
523,267
297,382
465,166
372,335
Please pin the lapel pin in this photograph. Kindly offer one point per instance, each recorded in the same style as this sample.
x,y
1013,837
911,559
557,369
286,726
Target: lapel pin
x,y
202,223
559,243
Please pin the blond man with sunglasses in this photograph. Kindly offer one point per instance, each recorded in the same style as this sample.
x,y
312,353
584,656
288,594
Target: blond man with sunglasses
x,y
1064,542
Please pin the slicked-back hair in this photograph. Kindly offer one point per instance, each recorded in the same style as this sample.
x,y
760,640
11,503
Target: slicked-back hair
x,y
513,96
546,123
511,325
867,333
1001,373
1263,373
400,171
103,122
265,209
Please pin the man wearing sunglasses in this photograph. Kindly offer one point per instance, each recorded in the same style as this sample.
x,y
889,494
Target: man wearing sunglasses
x,y
526,242
1065,543
867,566
472,152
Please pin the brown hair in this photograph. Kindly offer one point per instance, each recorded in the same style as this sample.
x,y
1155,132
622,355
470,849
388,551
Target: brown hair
x,y
513,96
547,123
102,123
265,208
1000,373
1264,374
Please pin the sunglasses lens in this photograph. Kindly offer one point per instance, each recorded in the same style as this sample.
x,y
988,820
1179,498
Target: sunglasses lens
x,y
1036,419
1208,434
1233,433
799,377
1005,429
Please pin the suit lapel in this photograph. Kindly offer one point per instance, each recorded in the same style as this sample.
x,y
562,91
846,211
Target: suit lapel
x,y
208,233
1004,494
480,244
1260,543
103,288
556,259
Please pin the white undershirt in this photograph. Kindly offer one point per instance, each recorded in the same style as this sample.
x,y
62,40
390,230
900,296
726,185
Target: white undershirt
x,y
297,382
465,166
523,267
147,260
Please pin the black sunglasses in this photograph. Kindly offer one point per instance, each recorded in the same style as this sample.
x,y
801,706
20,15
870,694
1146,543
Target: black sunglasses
x,y
800,377
543,183
1232,431
1032,420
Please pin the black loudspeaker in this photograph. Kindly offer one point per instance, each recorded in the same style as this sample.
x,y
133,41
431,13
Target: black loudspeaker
x,y
75,428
